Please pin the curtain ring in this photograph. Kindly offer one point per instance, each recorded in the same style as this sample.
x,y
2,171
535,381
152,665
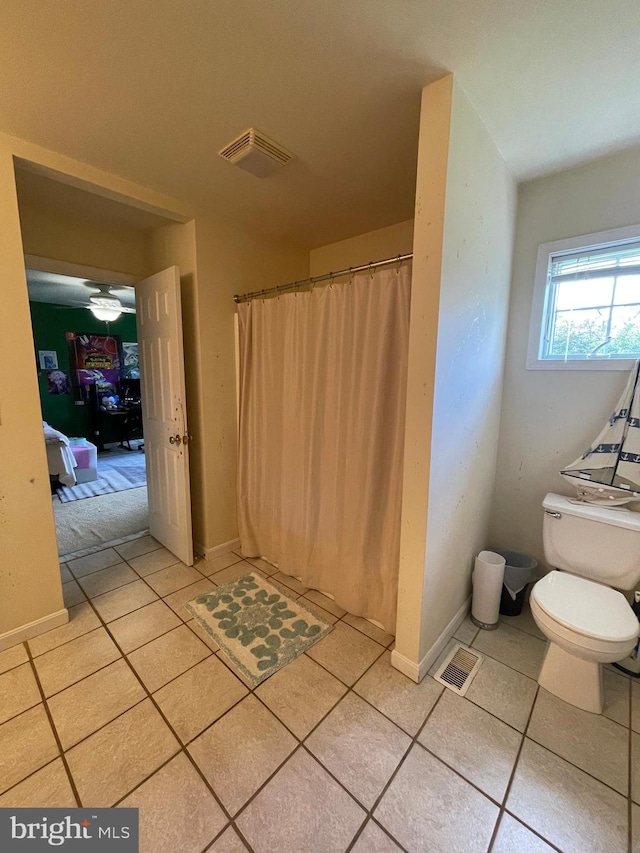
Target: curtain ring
x,y
351,274
333,278
370,270
399,265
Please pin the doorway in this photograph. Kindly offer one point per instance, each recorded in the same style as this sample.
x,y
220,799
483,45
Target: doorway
x,y
90,392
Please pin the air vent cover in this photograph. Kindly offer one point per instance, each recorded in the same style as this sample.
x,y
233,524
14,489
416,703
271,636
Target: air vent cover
x,y
256,153
458,669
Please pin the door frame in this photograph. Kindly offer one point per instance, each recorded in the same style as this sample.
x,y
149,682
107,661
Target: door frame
x,y
51,265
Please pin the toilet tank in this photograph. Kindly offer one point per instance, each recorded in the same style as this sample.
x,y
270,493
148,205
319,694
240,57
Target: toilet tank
x,y
597,542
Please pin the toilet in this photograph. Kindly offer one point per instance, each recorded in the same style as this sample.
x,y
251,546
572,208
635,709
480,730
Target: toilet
x,y
586,620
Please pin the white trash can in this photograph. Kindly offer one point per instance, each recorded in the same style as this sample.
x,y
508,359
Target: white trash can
x,y
488,577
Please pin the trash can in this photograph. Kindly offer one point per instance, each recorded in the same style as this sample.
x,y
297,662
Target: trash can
x,y
519,571
487,579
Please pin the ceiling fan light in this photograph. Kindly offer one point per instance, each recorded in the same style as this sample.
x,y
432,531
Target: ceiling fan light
x,y
105,308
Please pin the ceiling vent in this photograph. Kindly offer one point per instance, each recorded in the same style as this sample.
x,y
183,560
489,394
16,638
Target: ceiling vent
x,y
256,153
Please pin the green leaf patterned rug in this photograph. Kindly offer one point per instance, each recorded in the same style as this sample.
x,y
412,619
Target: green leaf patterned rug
x,y
259,627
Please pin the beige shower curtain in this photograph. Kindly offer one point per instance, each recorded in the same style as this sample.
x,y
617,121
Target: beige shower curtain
x,y
322,403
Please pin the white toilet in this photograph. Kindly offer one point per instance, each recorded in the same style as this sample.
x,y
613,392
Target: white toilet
x,y
586,621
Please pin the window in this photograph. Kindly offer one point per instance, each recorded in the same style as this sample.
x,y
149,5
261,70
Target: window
x,y
586,307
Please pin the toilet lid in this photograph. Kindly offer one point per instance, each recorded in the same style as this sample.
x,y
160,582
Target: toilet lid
x,y
588,608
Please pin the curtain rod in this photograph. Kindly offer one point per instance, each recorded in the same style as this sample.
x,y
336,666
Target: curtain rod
x,y
245,297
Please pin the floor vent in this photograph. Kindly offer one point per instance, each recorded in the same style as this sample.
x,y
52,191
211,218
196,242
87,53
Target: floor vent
x,y
458,669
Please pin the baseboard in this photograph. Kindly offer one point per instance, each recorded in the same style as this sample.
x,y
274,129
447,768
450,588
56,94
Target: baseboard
x,y
210,553
33,629
417,671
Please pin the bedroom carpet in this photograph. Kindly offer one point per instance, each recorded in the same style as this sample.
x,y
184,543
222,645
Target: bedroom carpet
x,y
118,471
83,524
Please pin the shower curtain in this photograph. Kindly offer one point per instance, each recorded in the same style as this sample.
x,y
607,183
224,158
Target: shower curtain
x,y
321,430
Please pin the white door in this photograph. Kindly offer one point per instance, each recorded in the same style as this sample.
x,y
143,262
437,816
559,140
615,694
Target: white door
x,y
164,414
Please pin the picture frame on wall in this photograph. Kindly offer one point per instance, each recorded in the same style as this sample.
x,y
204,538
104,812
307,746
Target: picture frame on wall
x,y
48,359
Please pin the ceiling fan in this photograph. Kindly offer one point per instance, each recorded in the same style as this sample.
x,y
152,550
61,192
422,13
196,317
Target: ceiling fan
x,y
104,305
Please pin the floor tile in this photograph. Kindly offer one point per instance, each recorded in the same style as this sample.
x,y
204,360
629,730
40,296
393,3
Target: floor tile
x,y
111,762
239,752
346,653
234,669
265,567
635,767
18,691
570,809
524,622
65,574
326,602
107,579
417,808
137,547
168,656
124,600
67,664
360,747
291,582
153,561
366,627
72,594
143,625
48,788
82,619
590,741
26,744
234,572
296,823
13,657
635,828
177,600
229,842
503,692
466,632
635,706
216,564
372,839
84,707
399,698
197,698
473,742
173,578
517,649
94,562
513,837
202,634
177,810
300,694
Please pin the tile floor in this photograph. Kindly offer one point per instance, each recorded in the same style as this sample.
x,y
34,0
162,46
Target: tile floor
x,y
130,704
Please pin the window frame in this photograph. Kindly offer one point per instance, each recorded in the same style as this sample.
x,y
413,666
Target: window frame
x,y
539,318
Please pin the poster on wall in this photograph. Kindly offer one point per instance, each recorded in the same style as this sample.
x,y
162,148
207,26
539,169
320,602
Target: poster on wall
x,y
130,361
95,358
48,359
58,382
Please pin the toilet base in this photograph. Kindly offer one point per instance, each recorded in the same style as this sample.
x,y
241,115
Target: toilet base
x,y
572,679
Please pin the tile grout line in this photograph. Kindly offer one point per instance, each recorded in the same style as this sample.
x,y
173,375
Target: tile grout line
x,y
182,749
54,731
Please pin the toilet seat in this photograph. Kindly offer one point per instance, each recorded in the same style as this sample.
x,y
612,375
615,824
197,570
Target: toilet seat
x,y
598,615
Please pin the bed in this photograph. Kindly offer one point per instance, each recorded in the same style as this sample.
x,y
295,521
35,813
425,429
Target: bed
x,y
62,462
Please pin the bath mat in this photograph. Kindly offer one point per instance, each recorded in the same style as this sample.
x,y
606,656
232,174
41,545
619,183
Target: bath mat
x,y
257,625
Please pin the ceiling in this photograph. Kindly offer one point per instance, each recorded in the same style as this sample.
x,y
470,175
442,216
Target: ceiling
x,y
72,292
152,90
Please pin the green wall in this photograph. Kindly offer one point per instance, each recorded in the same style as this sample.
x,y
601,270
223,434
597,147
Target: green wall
x,y
50,324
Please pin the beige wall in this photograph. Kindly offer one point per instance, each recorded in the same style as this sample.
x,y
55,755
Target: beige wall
x,y
30,586
373,246
454,390
549,417
66,237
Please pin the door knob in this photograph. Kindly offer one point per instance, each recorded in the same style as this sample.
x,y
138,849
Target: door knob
x,y
175,439
186,438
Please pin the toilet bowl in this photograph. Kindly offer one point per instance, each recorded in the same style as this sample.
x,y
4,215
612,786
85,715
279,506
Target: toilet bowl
x,y
587,624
